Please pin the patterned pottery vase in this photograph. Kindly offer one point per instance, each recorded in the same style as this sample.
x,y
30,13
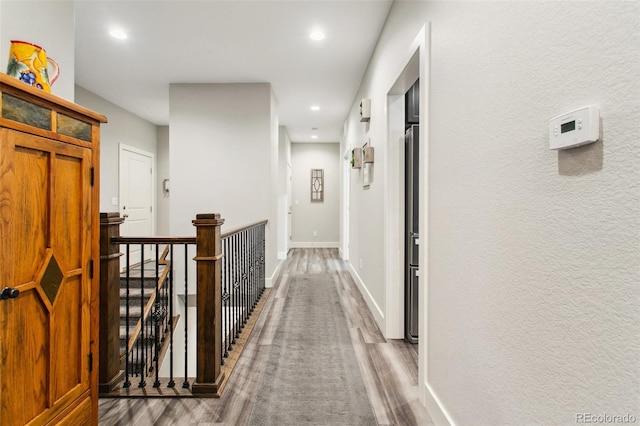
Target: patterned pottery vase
x,y
28,62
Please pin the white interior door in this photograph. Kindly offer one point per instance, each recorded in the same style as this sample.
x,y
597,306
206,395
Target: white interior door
x,y
136,198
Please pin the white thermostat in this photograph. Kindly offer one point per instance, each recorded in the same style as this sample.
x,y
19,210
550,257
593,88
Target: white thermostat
x,y
575,128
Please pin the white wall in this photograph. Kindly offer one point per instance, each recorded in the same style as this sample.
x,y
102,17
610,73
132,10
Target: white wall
x,y
284,148
123,127
532,276
162,166
48,24
320,217
223,149
222,144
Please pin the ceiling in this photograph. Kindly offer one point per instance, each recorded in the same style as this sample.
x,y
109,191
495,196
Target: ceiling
x,y
232,41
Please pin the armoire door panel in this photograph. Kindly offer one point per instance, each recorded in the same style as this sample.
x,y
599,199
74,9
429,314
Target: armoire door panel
x,y
44,205
67,346
29,180
69,218
24,321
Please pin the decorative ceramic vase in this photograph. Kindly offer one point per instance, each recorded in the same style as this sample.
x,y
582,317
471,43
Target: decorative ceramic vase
x,y
28,62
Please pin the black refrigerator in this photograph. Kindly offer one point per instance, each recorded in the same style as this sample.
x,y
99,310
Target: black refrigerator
x,y
411,233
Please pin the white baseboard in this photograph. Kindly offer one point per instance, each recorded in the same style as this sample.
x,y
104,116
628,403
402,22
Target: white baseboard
x,y
371,304
282,255
315,244
435,409
270,281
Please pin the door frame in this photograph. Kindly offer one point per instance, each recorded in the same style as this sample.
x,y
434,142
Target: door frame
x,y
416,64
121,148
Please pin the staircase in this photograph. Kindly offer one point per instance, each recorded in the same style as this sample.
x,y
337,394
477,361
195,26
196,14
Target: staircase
x,y
142,298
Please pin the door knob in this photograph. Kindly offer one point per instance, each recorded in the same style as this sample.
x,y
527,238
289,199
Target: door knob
x,y
125,216
9,293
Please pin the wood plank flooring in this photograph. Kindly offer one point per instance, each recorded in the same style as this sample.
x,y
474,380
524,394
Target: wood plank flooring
x,y
389,367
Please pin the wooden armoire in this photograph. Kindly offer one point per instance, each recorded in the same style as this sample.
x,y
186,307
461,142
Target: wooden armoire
x,y
49,258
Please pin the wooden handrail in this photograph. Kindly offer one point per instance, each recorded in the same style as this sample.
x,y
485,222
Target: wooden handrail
x,y
178,240
153,240
242,228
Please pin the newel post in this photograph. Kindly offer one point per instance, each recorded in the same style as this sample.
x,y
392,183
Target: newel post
x,y
209,304
109,374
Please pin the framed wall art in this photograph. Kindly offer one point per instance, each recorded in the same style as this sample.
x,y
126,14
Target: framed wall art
x,y
317,185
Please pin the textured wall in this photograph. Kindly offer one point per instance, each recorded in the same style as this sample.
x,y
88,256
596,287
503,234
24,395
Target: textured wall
x,y
534,254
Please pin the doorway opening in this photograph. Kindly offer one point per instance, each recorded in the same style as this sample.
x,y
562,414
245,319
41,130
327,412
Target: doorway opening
x,y
136,195
414,67
412,213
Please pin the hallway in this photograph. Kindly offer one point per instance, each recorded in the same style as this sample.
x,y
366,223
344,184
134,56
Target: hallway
x,y
389,368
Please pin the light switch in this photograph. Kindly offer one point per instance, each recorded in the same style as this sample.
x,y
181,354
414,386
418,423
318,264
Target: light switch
x,y
114,201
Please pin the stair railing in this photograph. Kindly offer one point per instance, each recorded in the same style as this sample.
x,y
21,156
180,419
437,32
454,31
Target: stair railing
x,y
243,279
230,278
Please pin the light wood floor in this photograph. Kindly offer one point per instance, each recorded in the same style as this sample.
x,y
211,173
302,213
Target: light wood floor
x,y
389,367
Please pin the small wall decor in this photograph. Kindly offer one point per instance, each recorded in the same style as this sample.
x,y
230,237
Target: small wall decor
x,y
367,154
317,185
367,164
356,158
365,110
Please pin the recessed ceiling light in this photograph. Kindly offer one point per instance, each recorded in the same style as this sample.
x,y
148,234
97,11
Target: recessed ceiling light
x,y
119,34
314,136
317,35
315,108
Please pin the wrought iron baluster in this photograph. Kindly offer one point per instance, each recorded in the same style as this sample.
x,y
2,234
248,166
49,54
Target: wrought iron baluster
x,y
227,309
236,288
223,298
141,336
127,382
246,278
262,237
254,264
171,383
157,318
186,384
230,338
232,291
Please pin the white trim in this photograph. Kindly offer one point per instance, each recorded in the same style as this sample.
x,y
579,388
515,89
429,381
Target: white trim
x,y
282,255
330,244
419,49
270,281
409,70
435,408
394,217
378,315
424,41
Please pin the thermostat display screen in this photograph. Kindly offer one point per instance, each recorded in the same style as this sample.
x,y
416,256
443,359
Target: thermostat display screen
x,y
567,127
574,128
